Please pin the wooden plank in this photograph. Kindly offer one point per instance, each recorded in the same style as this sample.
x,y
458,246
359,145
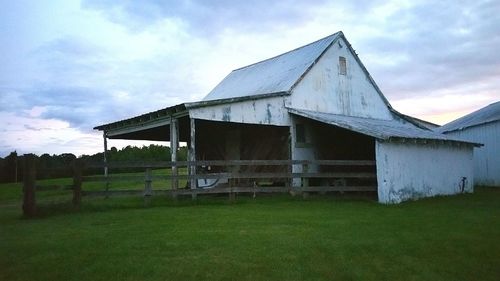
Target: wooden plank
x,y
335,175
192,154
337,188
174,145
283,175
236,189
105,159
48,187
112,178
274,189
148,187
223,163
107,193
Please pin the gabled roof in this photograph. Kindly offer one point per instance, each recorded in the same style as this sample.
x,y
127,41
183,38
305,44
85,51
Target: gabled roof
x,y
275,75
484,115
377,128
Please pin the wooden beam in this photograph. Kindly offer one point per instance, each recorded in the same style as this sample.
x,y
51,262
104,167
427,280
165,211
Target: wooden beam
x,y
192,154
224,163
174,145
105,160
148,187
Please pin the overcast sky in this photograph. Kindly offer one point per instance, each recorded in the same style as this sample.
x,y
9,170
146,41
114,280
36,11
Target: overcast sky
x,y
69,65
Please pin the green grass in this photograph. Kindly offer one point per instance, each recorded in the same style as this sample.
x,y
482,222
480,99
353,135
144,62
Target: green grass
x,y
267,238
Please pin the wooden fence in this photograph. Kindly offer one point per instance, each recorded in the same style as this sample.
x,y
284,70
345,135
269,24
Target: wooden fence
x,y
232,177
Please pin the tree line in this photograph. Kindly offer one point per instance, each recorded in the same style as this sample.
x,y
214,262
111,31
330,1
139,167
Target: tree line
x,y
57,166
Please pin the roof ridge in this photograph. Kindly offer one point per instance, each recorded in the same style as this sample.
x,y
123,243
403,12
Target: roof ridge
x,y
285,53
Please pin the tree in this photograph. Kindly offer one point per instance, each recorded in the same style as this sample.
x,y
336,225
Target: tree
x,y
10,168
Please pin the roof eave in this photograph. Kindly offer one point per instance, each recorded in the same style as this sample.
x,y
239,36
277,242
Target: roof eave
x,y
428,140
382,136
467,127
168,112
199,104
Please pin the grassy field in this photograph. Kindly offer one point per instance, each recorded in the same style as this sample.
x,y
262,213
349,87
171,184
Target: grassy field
x,y
267,238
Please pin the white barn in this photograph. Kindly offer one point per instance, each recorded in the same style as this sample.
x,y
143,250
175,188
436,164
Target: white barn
x,y
481,126
316,102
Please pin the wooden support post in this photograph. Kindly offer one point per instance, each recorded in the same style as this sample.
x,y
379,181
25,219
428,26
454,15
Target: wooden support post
x,y
148,187
105,159
174,145
77,182
192,156
29,202
305,181
232,196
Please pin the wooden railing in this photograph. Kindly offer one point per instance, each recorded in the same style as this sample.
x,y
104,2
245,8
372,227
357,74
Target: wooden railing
x,y
241,181
231,177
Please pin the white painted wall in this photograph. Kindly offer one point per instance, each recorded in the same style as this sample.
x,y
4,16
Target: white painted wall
x,y
486,158
408,171
323,89
269,111
302,151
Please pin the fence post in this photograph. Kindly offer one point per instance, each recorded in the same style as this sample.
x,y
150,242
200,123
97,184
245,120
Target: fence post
x,y
148,191
192,158
77,182
305,180
232,196
29,202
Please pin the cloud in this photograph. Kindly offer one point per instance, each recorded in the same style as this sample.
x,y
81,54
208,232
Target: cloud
x,y
208,18
78,64
436,45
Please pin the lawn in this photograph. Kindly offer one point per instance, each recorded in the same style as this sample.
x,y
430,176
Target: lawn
x,y
267,238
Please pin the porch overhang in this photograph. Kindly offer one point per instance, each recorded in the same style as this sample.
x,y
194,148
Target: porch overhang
x,y
154,126
383,130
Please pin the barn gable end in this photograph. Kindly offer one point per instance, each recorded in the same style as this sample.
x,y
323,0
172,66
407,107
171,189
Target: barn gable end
x,y
339,84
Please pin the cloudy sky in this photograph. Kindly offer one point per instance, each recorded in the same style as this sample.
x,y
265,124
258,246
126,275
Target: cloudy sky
x,y
69,65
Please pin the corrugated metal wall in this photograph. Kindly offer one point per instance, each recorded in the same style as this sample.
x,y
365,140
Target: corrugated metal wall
x,y
486,158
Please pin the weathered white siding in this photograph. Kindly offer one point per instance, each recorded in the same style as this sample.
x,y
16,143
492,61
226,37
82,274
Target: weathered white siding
x,y
408,171
268,111
323,89
302,151
486,158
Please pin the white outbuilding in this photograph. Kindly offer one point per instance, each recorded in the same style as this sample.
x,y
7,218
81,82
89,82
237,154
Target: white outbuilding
x,y
481,126
316,102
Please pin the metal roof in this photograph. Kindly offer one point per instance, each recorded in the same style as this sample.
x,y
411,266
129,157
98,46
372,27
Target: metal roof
x,y
484,115
377,128
275,75
150,117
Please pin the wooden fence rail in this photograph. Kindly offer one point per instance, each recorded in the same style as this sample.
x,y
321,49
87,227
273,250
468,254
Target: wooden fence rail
x,y
234,177
294,176
168,164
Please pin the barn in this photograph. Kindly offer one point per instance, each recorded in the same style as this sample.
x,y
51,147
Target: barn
x,y
481,126
316,102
